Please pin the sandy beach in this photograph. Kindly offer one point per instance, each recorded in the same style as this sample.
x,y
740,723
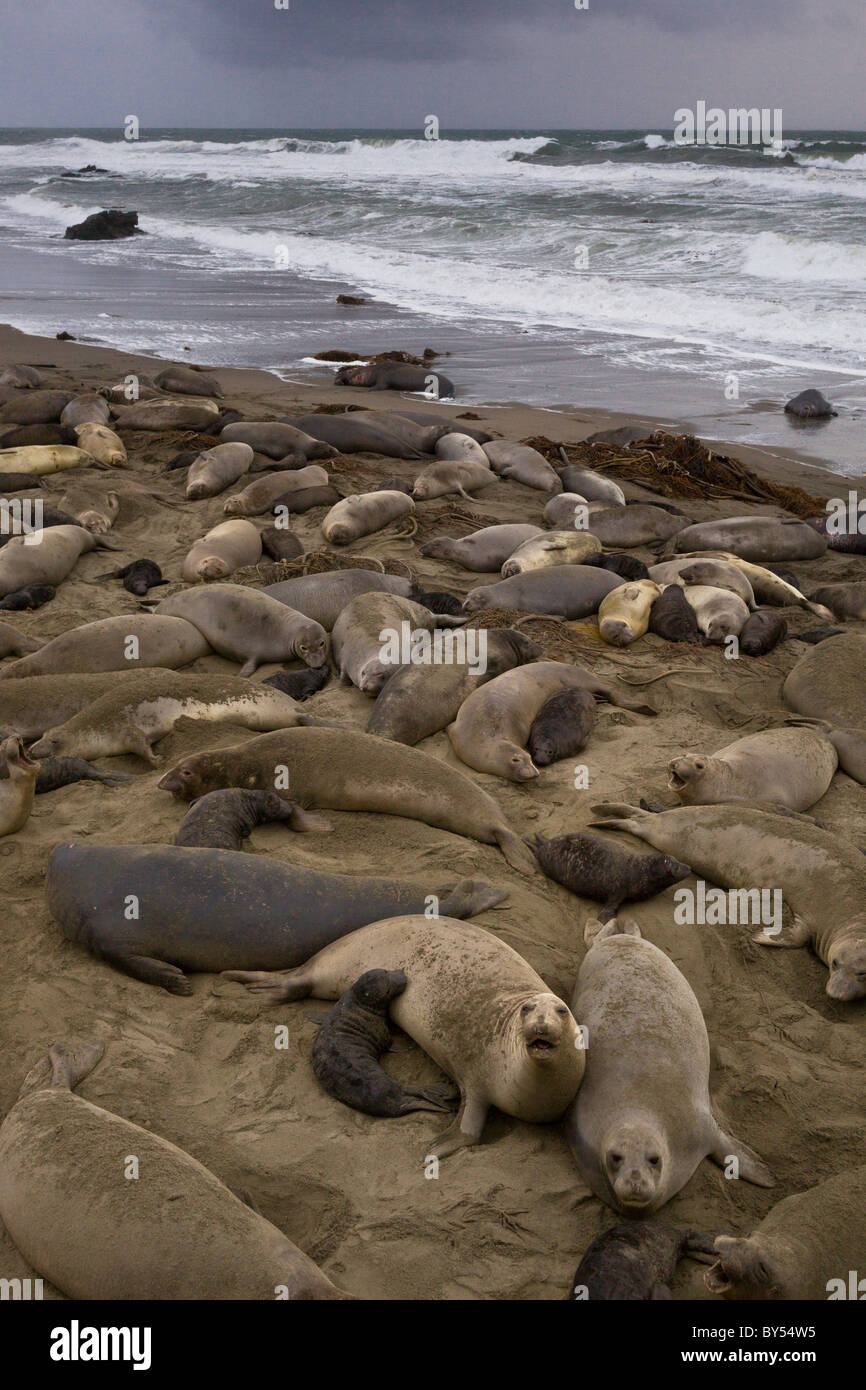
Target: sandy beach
x,y
511,1218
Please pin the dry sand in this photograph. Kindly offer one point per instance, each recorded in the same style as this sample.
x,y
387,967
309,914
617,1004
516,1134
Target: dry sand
x,y
511,1218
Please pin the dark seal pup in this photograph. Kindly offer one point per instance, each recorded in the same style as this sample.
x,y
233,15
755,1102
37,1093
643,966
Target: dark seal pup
x,y
224,819
635,1262
562,726
305,499
17,482
33,596
300,684
594,868
63,772
673,618
809,405
625,565
350,1042
280,544
763,631
138,577
438,602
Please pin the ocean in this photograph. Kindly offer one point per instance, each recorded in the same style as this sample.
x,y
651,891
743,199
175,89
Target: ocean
x,y
605,269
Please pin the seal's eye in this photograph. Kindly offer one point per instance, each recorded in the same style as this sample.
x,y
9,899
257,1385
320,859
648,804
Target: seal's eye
x,y
563,1012
699,765
525,1009
653,1160
615,1160
186,772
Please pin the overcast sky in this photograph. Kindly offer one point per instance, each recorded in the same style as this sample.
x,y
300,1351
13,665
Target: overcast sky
x,y
524,64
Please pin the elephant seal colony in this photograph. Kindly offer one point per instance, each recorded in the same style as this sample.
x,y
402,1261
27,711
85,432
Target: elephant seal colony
x,y
202,827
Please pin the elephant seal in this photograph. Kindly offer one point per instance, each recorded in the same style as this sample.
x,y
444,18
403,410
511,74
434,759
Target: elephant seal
x,y
768,586
845,601
18,482
819,634
219,909
34,407
300,684
673,618
43,459
840,535
804,1249
167,415
398,376
823,879
347,771
130,642
138,577
754,538
790,767
51,555
827,683
562,726
278,440
249,626
75,1222
86,409
100,519
462,476
35,703
48,517
720,613
362,651
523,465
350,1042
641,524
102,444
22,377
224,819
353,434
260,496
280,544
16,436
643,1118
143,710
418,701
635,1262
16,643
563,591
363,515
566,510
186,381
216,469
763,631
18,788
484,551
549,549
493,724
306,498
591,867
324,596
228,547
594,487
426,418
626,566
460,448
472,1003
438,601
623,614
30,597
809,405
420,437
718,574
54,773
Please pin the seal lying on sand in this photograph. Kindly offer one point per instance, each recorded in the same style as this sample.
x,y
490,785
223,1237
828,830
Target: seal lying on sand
x,y
802,1250
643,1119
45,557
592,867
323,597
635,1262
346,771
461,476
16,643
350,1042
184,1236
484,551
827,683
30,597
42,459
472,1003
358,516
624,613
673,618
522,464
249,626
767,586
822,878
718,574
845,601
764,630
219,909
561,727
18,788
755,538
595,487
278,440
224,819
138,576
720,613
789,767
353,434
642,524
129,642
260,496
564,591
54,773
549,549
398,376
366,641
300,684
186,381
162,414
216,469
228,547
809,405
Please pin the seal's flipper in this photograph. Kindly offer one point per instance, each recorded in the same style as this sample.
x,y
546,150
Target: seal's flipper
x,y
471,896
150,971
273,986
68,1067
701,1243
306,822
466,1130
750,1165
516,853
792,935
435,1098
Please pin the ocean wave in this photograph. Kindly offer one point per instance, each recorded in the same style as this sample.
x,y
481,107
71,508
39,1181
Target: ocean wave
x,y
772,256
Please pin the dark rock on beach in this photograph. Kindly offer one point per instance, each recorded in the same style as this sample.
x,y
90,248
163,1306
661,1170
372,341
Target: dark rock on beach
x,y
109,225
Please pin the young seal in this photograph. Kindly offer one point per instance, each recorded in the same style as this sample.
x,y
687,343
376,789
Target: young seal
x,y
563,591
483,551
438,601
594,487
461,476
224,819
30,597
279,440
185,1236
346,771
624,613
86,409
260,496
359,641
16,643
228,547
22,377
216,469
162,414
493,724
768,585
624,565
754,538
353,434
787,767
54,773
350,1042
300,684
802,1250
16,436
763,631
718,574
827,683
562,726
34,407
18,482
643,1118
50,557
472,1003
522,464
549,549
18,788
279,544
635,1262
809,405
129,642
138,577
131,718
846,540
30,706
418,701
673,618
42,459
186,381
591,867
720,613
398,376
102,444
323,597
306,498
845,601
220,909
625,527
822,878
249,626
49,517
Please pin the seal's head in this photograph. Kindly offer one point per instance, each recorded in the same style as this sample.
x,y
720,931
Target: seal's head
x,y
189,779
340,534
17,761
616,631
355,376
477,599
376,988
51,745
744,1269
635,1158
234,506
546,1027
425,488
312,648
688,775
373,675
848,969
516,763
211,568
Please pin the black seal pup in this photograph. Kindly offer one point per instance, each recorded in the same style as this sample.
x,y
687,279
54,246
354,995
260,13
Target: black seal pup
x,y
625,565
300,684
594,868
33,596
280,544
763,631
438,601
673,618
562,726
138,577
635,1262
54,773
350,1042
225,818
